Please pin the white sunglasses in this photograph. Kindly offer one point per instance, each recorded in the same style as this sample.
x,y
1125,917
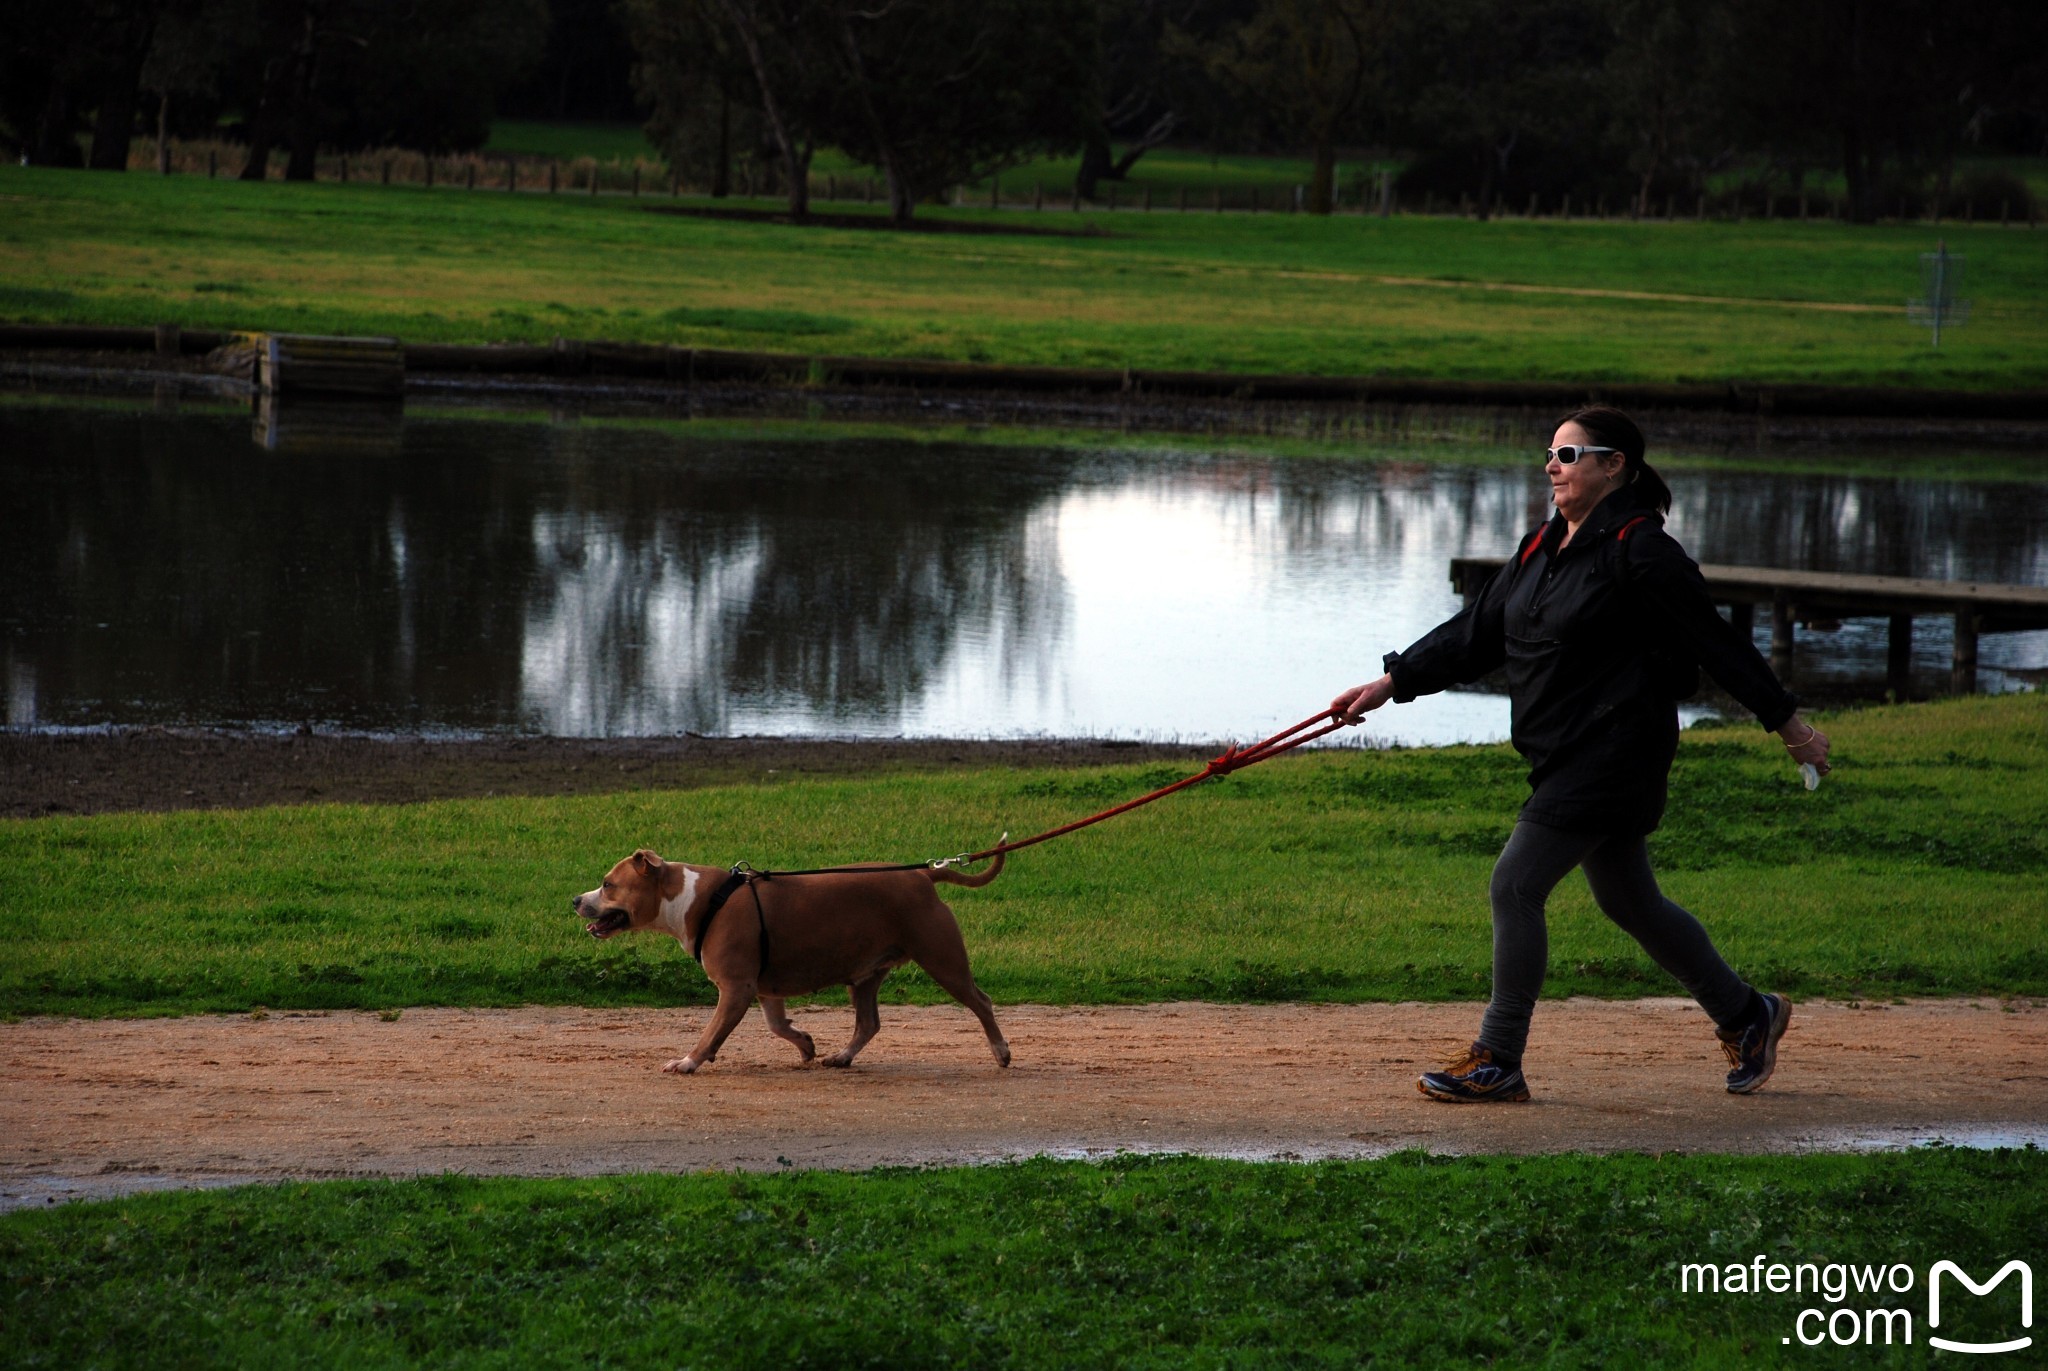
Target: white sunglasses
x,y
1570,453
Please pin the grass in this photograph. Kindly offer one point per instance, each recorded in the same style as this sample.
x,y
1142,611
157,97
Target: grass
x,y
1337,877
566,140
1585,301
1173,1262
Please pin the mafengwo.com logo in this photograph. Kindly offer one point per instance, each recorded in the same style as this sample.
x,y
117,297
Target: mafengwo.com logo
x,y
1874,1305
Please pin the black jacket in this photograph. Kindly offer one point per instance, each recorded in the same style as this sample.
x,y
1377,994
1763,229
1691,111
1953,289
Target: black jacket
x,y
1589,635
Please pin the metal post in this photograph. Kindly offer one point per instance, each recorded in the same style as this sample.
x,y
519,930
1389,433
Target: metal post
x,y
1962,675
1781,633
1742,614
1898,656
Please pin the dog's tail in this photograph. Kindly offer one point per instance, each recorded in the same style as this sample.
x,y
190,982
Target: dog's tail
x,y
952,877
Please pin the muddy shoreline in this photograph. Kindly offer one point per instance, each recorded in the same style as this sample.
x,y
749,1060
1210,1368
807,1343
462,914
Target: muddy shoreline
x,y
158,769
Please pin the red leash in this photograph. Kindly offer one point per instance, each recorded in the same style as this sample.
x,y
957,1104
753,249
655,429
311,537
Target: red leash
x,y
1234,759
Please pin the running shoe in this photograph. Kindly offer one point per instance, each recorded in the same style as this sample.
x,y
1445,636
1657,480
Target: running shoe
x,y
1753,1051
1473,1078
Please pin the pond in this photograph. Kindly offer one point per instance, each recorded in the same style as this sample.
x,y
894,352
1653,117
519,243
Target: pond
x,y
454,573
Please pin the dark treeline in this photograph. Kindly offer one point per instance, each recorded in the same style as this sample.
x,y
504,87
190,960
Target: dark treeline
x,y
1489,101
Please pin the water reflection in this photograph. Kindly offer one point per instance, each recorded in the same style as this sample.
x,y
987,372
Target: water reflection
x,y
593,579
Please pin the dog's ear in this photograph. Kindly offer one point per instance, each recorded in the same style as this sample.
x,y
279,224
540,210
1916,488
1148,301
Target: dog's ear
x,y
647,861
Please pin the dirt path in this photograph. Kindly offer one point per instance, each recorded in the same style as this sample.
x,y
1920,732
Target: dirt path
x,y
101,1107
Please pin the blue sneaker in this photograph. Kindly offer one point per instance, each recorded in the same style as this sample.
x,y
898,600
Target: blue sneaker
x,y
1473,1078
1753,1051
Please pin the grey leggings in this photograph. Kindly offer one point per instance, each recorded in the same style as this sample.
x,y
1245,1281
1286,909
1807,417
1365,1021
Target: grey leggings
x,y
1536,858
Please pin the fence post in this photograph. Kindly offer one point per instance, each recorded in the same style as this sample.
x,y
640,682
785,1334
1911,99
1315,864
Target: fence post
x,y
430,173
1038,195
593,176
1180,199
995,192
1532,205
470,172
1148,199
636,180
1110,203
211,158
675,182
554,174
1702,215
386,174
1216,198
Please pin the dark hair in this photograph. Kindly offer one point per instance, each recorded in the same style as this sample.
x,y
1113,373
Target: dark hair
x,y
1609,427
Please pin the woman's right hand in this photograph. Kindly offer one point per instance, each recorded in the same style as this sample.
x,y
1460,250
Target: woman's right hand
x,y
1807,744
1351,706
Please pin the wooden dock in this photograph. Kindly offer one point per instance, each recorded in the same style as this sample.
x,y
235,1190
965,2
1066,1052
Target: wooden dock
x,y
310,364
1821,598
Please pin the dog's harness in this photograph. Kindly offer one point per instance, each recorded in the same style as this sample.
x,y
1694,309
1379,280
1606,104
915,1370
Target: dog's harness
x,y
740,875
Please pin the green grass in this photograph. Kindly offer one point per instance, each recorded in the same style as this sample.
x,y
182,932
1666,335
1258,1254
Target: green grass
x,y
1411,1261
1339,877
1587,301
568,140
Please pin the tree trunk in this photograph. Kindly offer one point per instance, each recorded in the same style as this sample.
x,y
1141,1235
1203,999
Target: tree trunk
x,y
750,38
902,199
114,127
1322,177
304,138
796,163
1858,170
53,143
1095,165
721,173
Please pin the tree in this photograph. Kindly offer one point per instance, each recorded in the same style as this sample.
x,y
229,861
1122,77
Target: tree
x,y
1144,83
1493,81
1305,66
698,87
1664,84
938,92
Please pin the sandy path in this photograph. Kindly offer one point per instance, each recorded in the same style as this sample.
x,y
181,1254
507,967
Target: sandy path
x,y
103,1106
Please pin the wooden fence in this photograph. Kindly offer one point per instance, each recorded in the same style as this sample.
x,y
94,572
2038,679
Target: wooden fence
x,y
524,174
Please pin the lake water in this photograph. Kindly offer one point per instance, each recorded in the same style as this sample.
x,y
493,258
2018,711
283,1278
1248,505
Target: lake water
x,y
454,574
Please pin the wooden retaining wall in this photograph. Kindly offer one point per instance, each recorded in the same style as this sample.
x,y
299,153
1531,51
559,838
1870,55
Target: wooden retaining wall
x,y
685,365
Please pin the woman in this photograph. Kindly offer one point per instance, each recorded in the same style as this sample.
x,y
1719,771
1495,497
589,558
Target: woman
x,y
1598,618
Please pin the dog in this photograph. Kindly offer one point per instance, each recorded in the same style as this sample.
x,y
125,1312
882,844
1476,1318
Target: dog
x,y
769,937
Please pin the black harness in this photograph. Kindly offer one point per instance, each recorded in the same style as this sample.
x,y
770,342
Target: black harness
x,y
737,877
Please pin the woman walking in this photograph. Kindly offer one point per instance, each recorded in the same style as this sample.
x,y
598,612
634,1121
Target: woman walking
x,y
1599,619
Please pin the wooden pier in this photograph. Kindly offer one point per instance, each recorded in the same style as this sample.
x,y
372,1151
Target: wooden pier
x,y
1820,597
310,364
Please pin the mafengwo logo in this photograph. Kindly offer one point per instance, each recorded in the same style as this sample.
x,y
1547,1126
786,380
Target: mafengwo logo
x,y
1881,1319
2011,1268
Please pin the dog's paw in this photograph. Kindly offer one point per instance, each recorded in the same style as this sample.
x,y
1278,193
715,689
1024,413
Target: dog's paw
x,y
681,1066
804,1045
838,1059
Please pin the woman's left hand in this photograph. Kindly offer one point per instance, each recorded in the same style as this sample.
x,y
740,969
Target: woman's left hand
x,y
1807,744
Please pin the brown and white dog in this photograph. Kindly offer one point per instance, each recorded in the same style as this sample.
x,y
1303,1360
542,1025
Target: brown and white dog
x,y
773,937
